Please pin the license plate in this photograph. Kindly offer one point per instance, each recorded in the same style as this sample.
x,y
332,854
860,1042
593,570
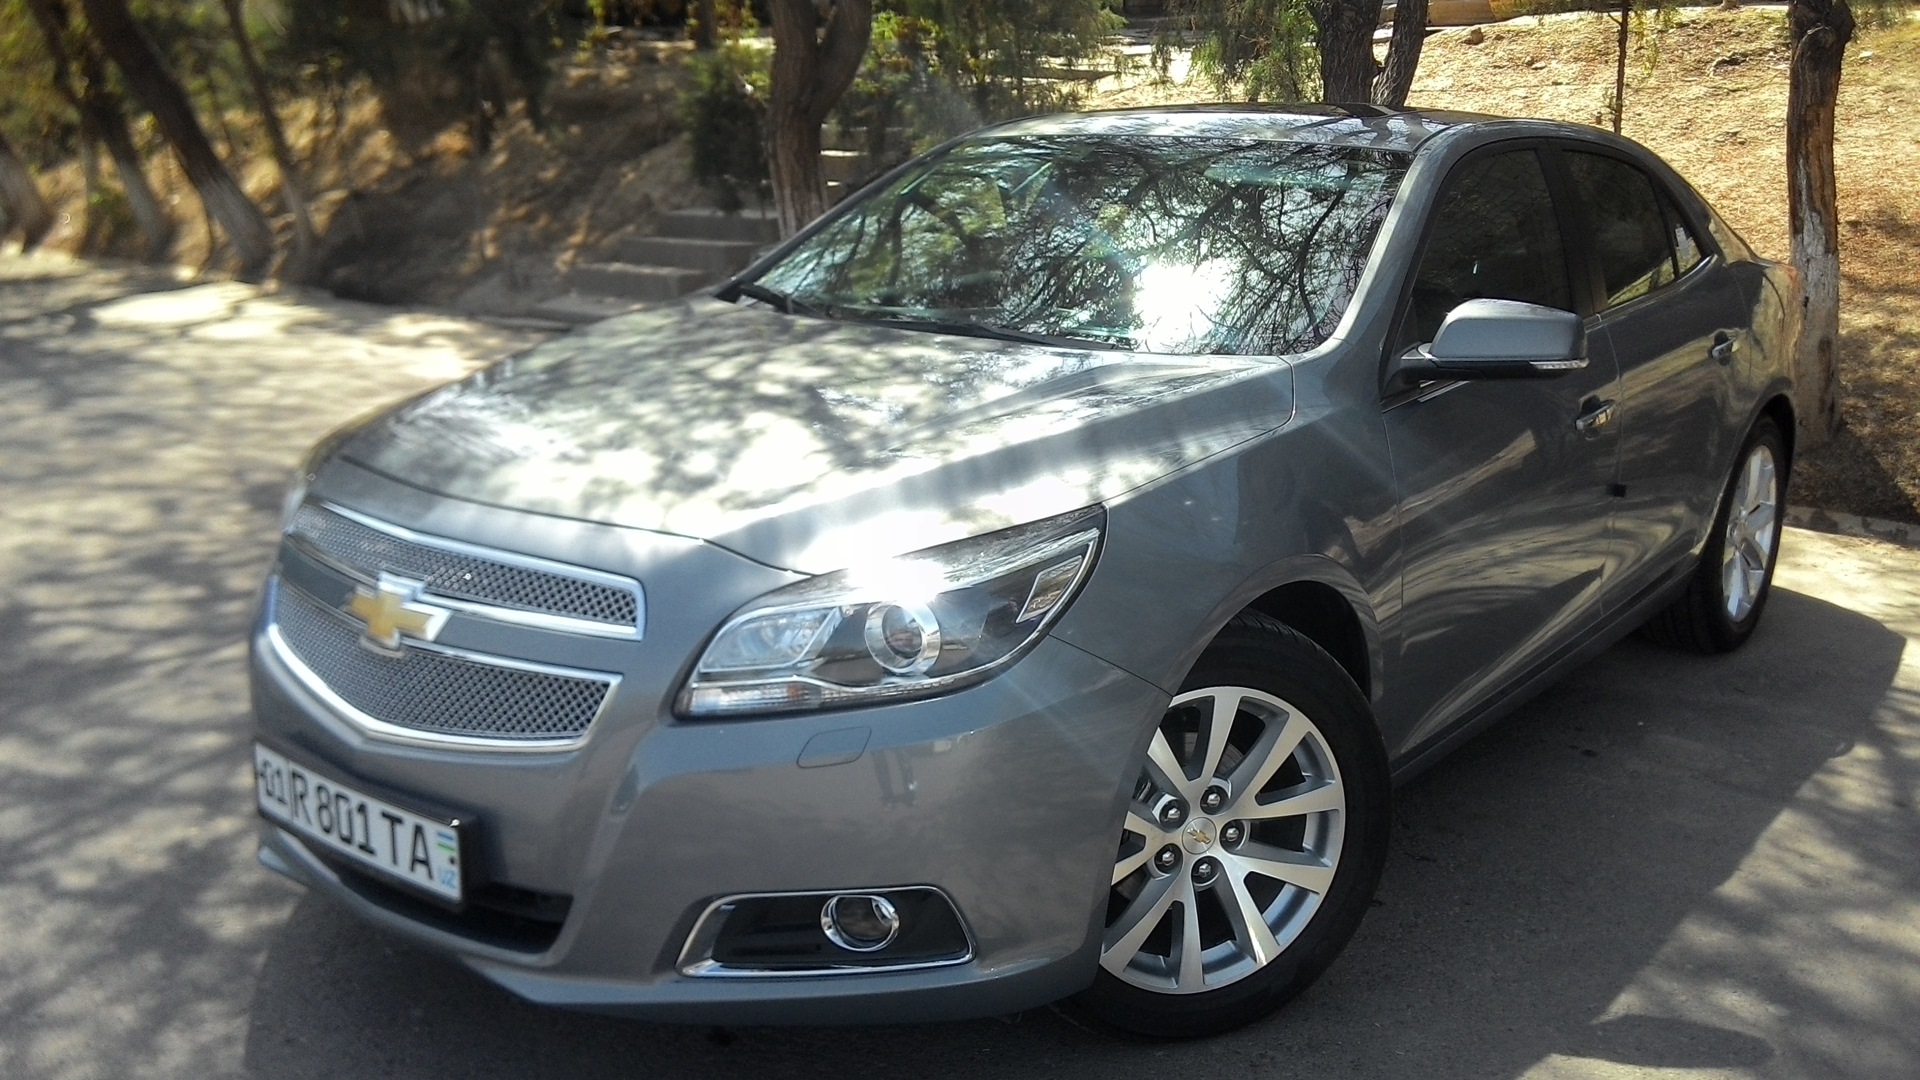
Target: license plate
x,y
390,840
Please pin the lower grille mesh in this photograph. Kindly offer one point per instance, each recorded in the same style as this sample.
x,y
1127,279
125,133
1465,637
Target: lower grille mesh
x,y
430,691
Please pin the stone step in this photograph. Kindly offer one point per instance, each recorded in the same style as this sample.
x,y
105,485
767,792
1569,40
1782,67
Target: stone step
x,y
719,258
577,308
759,226
635,281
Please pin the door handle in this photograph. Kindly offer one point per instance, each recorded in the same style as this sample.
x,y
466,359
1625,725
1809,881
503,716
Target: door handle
x,y
1594,415
1722,350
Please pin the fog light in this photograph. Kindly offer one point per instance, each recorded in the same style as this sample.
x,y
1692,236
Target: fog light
x,y
859,922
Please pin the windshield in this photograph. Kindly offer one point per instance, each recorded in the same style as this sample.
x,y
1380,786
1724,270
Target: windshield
x,y
1172,245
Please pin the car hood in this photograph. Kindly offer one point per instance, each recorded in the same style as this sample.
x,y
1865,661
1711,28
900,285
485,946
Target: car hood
x,y
808,444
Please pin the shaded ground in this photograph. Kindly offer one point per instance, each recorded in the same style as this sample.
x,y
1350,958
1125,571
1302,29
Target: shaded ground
x,y
1703,866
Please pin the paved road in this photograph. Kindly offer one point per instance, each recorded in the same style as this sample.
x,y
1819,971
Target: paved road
x,y
1666,866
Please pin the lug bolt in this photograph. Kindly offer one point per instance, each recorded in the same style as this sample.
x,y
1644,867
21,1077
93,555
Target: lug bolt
x,y
1168,858
1204,870
1172,813
1213,800
1232,833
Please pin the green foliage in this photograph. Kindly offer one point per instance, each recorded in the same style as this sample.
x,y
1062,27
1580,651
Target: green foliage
x,y
725,114
899,102
936,68
34,118
994,49
432,60
1262,49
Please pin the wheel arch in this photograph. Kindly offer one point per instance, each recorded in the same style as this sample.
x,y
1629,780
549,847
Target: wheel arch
x,y
1779,409
1325,606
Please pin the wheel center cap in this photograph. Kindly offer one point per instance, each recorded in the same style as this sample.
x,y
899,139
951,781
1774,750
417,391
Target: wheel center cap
x,y
1198,836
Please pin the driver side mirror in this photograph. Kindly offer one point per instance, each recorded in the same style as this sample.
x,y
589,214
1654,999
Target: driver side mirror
x,y
1499,339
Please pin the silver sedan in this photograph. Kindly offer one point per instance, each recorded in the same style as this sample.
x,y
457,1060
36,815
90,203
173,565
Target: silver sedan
x,y
1028,582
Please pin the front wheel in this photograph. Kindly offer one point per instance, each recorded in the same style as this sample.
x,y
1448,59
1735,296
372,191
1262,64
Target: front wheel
x,y
1254,837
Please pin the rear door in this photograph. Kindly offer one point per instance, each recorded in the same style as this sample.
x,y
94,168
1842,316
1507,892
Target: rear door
x,y
1503,485
1674,318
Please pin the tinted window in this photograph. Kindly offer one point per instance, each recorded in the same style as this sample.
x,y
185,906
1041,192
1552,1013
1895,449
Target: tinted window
x,y
1629,232
1494,236
1162,245
1686,248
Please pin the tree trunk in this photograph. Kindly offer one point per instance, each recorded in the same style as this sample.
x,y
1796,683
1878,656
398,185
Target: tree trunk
x,y
1343,32
127,45
102,118
27,210
704,36
1620,66
814,62
1821,30
292,191
1403,54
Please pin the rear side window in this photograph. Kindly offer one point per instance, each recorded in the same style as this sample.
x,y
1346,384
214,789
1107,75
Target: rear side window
x,y
1494,236
1629,232
1686,248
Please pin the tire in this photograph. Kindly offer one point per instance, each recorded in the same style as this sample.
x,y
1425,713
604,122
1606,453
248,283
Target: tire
x,y
1729,587
1301,775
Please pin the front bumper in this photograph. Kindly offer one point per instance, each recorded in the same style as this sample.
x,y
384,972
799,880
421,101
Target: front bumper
x,y
1006,796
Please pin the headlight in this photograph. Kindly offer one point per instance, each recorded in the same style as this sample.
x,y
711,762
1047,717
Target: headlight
x,y
910,627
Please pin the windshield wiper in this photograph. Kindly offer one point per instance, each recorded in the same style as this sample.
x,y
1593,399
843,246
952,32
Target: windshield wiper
x,y
778,299
945,326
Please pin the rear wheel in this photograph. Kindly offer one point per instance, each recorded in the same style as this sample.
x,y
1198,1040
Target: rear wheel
x,y
1253,841
1723,601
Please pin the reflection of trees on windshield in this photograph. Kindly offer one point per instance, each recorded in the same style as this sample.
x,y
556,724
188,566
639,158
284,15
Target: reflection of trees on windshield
x,y
1165,245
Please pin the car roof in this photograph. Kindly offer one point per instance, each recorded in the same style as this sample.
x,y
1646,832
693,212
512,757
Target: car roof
x,y
1341,125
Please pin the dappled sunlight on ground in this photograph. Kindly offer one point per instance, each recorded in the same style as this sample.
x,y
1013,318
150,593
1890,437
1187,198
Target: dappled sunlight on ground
x,y
148,438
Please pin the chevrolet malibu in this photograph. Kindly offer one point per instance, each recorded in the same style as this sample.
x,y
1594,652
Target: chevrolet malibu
x,y
1030,580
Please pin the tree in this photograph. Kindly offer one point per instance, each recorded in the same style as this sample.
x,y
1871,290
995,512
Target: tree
x,y
292,191
101,117
994,49
26,209
1278,49
815,56
121,38
1403,54
1343,31
1262,45
1821,30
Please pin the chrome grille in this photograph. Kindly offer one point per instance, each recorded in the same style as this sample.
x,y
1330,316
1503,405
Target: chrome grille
x,y
432,691
458,574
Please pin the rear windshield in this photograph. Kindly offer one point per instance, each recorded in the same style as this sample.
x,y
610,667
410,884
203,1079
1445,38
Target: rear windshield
x,y
1168,245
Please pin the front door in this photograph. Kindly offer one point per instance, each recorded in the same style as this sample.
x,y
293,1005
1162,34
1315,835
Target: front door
x,y
1503,485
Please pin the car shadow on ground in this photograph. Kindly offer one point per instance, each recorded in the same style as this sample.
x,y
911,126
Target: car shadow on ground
x,y
1536,876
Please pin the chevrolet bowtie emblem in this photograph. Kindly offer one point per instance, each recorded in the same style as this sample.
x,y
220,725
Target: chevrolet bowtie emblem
x,y
392,610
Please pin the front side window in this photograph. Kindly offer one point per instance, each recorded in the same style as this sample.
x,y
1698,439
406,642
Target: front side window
x,y
1494,237
1176,245
1623,217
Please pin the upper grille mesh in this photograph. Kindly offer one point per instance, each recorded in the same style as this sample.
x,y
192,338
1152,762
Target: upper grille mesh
x,y
458,575
431,691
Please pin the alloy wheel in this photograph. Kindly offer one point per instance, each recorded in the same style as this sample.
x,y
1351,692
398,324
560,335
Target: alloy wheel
x,y
1231,841
1752,531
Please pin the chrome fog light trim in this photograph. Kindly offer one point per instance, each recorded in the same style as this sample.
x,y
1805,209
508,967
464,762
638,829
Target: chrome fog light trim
x,y
923,930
